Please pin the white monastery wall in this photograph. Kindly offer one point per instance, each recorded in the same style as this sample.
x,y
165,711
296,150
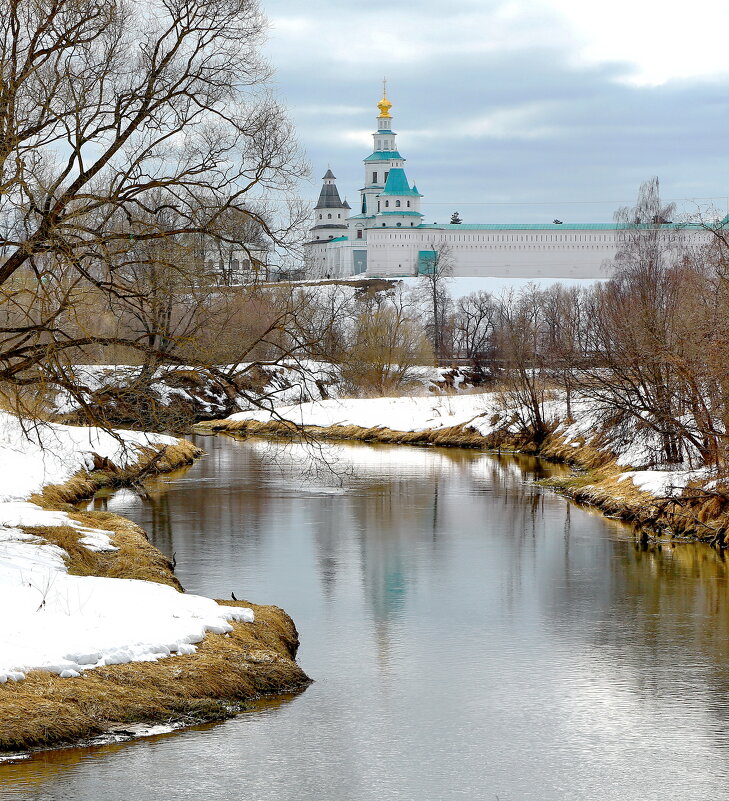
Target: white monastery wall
x,y
393,244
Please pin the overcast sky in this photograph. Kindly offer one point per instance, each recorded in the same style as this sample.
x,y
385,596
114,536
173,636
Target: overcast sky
x,y
514,110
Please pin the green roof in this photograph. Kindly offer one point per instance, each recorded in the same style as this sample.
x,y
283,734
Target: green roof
x,y
384,155
397,184
552,226
405,213
339,239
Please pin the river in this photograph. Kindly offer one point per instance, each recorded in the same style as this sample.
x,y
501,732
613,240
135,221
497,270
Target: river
x,y
471,636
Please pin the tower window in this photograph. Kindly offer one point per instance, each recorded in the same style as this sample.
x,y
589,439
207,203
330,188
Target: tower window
x,y
374,177
408,204
329,216
397,204
320,216
386,174
359,233
387,204
378,205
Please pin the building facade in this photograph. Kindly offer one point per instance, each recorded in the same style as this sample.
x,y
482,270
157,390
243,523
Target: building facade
x,y
387,237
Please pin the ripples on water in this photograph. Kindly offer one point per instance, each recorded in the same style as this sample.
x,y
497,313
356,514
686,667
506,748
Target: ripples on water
x,y
471,636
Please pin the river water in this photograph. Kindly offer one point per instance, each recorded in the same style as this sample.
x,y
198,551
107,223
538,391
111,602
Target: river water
x,y
471,636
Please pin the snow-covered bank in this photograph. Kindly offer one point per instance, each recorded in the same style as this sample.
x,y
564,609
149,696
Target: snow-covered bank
x,y
397,414
64,623
182,395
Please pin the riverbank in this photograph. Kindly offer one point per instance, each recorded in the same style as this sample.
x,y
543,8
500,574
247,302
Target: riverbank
x,y
617,470
96,635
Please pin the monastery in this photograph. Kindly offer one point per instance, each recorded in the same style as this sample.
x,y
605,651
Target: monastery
x,y
387,237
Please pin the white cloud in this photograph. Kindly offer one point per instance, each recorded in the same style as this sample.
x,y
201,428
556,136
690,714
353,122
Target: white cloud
x,y
518,122
659,40
356,38
333,110
663,40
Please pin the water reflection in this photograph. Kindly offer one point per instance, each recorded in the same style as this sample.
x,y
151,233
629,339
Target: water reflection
x,y
471,636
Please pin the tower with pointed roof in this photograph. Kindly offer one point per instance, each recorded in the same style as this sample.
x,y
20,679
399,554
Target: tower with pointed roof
x,y
330,212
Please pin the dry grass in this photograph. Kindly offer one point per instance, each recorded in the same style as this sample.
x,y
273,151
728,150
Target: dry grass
x,y
136,558
254,659
211,684
84,484
456,436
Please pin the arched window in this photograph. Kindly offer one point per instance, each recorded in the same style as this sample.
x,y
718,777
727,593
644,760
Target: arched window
x,y
387,204
397,204
329,216
399,225
408,204
320,216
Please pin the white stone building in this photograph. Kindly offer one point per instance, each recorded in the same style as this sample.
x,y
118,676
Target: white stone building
x,y
387,237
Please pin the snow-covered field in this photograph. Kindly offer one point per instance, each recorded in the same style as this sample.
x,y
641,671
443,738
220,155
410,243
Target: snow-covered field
x,y
399,414
67,624
460,287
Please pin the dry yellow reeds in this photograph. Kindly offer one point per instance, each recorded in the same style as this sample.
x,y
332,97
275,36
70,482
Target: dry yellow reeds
x,y
227,670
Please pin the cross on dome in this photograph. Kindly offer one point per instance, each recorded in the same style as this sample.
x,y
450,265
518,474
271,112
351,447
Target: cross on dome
x,y
384,105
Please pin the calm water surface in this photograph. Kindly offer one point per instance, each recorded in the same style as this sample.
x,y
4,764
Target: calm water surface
x,y
471,635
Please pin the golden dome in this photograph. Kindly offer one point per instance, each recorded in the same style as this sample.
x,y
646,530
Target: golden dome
x,y
384,106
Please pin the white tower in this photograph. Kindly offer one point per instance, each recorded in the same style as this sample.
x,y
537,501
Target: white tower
x,y
383,158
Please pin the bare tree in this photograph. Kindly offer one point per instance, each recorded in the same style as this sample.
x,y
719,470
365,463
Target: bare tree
x,y
437,269
125,132
519,341
385,346
473,324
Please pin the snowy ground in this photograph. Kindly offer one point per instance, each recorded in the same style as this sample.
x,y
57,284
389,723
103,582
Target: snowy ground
x,y
290,382
460,287
67,624
399,414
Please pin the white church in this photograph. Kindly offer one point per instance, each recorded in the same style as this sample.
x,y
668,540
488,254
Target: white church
x,y
387,237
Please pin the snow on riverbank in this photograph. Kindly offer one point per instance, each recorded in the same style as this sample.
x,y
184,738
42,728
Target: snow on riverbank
x,y
67,624
398,414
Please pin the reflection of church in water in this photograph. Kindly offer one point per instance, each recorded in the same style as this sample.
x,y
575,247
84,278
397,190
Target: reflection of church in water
x,y
387,237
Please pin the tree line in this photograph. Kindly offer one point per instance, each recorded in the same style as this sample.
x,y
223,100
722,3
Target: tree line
x,y
649,347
